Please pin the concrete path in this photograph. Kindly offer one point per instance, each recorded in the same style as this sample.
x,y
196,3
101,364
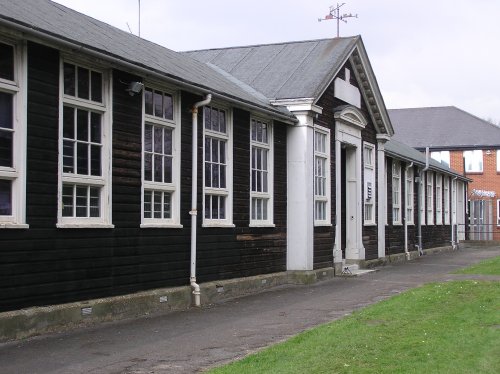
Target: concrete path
x,y
187,342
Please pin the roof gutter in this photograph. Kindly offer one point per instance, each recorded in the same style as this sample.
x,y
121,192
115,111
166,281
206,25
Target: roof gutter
x,y
200,89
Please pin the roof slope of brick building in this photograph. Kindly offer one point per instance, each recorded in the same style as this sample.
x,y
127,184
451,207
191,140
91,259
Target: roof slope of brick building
x,y
442,128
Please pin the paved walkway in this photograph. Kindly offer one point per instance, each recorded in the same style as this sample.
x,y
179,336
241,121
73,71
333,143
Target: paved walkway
x,y
187,342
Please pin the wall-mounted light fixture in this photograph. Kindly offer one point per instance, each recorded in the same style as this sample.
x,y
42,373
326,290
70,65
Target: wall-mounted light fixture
x,y
134,88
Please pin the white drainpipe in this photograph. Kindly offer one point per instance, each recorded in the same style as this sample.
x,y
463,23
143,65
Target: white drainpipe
x,y
194,199
406,218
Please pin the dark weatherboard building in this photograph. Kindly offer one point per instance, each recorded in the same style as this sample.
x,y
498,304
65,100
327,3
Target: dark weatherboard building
x,y
125,166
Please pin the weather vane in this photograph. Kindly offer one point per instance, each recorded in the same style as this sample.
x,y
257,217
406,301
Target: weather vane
x,y
335,14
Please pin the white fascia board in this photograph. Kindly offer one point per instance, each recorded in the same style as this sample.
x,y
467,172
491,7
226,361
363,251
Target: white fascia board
x,y
298,105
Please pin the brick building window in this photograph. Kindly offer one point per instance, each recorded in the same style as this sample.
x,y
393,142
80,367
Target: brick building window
x,y
473,161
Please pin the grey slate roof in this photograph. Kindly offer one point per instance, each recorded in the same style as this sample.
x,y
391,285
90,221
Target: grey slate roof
x,y
55,20
283,70
402,151
443,128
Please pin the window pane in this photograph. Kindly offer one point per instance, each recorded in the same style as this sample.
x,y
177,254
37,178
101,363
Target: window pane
x,y
96,86
222,176
215,120
68,122
169,107
6,148
148,101
157,204
148,167
208,206
69,79
158,104
81,201
148,138
158,168
167,137
167,205
68,156
167,165
222,121
158,140
206,113
6,110
67,201
95,160
208,175
82,125
5,198
83,83
82,158
147,204
6,61
94,202
95,127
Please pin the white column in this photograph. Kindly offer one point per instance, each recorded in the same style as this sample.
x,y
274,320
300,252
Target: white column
x,y
382,193
300,204
337,250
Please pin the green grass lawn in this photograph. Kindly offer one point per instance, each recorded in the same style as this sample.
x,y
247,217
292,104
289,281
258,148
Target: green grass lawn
x,y
486,267
451,327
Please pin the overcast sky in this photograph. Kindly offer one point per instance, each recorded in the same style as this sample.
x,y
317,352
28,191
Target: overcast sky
x,y
424,53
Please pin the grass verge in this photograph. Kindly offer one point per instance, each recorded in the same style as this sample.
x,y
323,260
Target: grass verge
x,y
486,267
451,327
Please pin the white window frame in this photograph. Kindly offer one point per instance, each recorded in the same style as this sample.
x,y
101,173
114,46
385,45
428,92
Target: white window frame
x,y
422,198
162,187
396,200
454,200
266,197
439,199
446,199
227,192
102,182
325,197
261,196
17,173
409,191
370,184
474,161
498,212
430,197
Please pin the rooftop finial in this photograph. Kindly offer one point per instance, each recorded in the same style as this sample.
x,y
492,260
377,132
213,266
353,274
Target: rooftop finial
x,y
335,14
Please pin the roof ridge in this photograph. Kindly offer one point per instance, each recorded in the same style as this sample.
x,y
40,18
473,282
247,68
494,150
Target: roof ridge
x,y
476,117
268,44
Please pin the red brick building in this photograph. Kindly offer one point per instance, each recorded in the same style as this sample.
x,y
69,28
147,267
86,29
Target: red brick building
x,y
468,145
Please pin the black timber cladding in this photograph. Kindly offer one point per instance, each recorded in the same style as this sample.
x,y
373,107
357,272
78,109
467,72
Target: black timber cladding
x,y
44,265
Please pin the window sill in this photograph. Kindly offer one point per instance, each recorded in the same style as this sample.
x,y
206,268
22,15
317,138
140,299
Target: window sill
x,y
397,224
263,224
322,224
370,224
84,226
161,226
11,225
216,224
